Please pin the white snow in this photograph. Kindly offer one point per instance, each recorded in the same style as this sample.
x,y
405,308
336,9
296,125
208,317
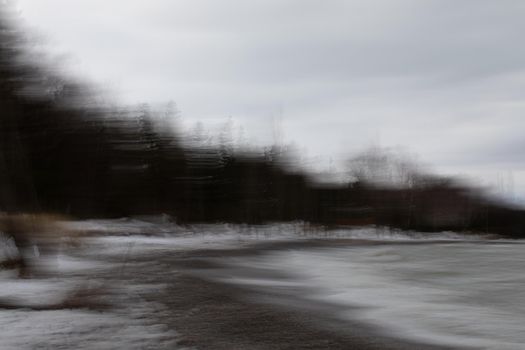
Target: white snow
x,y
78,329
105,257
131,323
8,249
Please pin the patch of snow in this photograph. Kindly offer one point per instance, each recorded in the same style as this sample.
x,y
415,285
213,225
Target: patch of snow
x,y
72,329
8,249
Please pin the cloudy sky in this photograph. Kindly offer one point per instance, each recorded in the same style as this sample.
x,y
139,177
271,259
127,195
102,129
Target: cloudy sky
x,y
443,79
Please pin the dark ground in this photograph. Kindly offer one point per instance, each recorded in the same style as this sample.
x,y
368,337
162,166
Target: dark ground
x,y
208,314
192,301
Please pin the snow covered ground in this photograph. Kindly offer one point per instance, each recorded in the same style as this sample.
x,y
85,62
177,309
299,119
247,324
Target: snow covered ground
x,y
102,295
33,316
108,270
130,322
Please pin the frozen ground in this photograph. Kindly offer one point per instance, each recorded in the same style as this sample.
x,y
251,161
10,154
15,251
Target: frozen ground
x,y
100,295
105,293
104,309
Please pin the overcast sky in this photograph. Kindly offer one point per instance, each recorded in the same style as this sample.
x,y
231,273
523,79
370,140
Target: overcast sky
x,y
444,79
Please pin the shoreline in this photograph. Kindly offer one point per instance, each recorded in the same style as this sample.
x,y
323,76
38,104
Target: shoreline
x,y
210,314
203,298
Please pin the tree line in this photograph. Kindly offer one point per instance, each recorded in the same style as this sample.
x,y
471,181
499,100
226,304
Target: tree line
x,y
60,151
